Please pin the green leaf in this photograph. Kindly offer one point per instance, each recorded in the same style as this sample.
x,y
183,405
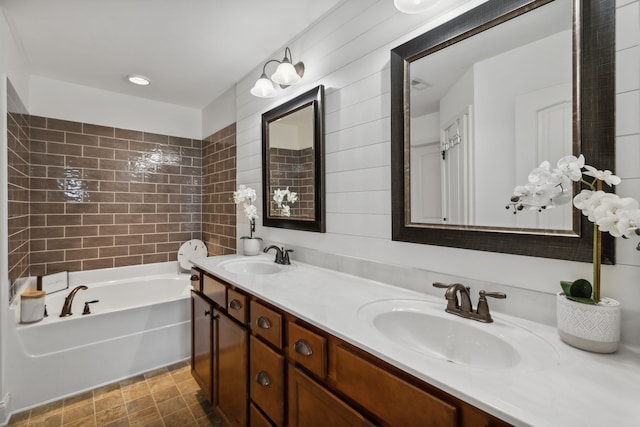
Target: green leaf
x,y
582,300
566,285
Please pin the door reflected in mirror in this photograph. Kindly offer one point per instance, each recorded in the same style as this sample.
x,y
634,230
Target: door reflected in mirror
x,y
293,163
485,112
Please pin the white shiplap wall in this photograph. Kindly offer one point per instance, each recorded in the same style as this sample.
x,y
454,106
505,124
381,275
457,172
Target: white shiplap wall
x,y
348,52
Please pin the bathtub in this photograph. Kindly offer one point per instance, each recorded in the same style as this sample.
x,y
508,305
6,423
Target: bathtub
x,y
141,322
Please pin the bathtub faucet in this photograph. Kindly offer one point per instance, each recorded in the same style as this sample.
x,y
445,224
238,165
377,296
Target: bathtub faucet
x,y
66,308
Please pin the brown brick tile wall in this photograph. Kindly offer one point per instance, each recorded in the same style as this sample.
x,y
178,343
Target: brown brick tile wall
x,y
18,190
293,169
218,184
107,197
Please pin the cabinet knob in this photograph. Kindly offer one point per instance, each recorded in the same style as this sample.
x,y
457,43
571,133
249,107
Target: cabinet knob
x,y
263,379
207,313
235,304
263,323
302,347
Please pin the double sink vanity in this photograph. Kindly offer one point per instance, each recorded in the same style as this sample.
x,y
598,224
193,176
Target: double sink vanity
x,y
300,345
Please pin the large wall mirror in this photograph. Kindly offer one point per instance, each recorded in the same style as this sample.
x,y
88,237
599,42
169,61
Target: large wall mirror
x,y
479,102
293,163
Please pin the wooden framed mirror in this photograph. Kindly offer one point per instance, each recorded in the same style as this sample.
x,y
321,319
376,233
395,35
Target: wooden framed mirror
x,y
293,163
512,43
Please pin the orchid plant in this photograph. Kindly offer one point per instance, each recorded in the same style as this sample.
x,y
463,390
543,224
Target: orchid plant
x,y
548,188
279,197
247,195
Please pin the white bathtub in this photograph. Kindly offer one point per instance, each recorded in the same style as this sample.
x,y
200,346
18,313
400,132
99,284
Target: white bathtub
x,y
141,322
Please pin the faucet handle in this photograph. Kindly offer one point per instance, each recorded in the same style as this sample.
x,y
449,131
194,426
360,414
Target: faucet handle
x,y
285,256
482,312
87,310
440,285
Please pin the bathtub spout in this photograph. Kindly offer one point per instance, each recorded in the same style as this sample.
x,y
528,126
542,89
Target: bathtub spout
x,y
66,308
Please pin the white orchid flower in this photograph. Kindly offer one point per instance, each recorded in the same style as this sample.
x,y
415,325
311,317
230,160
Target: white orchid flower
x,y
571,167
251,212
606,176
292,197
286,210
540,174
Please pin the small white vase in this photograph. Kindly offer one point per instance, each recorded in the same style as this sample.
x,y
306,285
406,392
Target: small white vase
x,y
251,246
590,327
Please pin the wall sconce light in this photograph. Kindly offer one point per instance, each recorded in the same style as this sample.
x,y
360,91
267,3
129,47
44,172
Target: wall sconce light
x,y
285,75
414,6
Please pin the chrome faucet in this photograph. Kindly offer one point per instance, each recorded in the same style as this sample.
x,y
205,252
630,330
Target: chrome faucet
x,y
282,254
68,301
464,308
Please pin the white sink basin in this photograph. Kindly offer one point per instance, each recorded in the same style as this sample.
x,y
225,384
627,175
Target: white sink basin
x,y
424,327
251,266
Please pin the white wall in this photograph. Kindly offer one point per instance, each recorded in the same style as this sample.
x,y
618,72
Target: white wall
x,y
67,101
348,52
219,114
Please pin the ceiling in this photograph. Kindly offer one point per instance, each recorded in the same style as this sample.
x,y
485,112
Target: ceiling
x,y
191,50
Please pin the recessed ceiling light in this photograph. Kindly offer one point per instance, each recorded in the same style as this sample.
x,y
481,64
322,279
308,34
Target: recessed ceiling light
x,y
137,79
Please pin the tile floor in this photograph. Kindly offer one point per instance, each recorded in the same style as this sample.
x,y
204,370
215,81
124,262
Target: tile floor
x,y
164,397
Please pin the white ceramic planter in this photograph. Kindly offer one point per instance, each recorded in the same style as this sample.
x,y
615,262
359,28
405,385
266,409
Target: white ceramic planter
x,y
594,328
251,247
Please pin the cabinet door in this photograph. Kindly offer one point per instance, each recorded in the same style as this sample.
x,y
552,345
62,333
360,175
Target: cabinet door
x,y
311,405
231,371
202,344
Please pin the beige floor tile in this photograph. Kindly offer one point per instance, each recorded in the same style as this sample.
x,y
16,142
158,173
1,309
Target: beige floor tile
x,y
135,391
132,380
46,420
171,405
50,408
122,422
191,392
144,417
180,418
109,400
19,420
78,400
200,410
106,390
209,421
139,404
88,421
156,373
76,411
166,393
109,415
160,382
182,374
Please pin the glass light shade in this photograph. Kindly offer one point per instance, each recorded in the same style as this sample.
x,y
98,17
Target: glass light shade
x,y
286,74
139,80
414,6
263,88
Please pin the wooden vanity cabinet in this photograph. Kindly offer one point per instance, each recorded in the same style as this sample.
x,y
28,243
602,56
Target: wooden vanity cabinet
x,y
220,350
267,368
202,344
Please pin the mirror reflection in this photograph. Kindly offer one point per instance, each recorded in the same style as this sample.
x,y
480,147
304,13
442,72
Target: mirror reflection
x,y
293,163
486,111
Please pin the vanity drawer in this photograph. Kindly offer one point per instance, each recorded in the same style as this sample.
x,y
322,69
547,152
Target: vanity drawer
x,y
237,305
266,376
388,397
266,323
256,419
214,289
307,348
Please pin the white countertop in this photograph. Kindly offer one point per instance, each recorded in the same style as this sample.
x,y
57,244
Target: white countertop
x,y
572,388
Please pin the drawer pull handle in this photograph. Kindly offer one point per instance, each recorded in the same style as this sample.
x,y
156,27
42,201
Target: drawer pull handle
x,y
302,347
263,323
235,304
263,379
207,313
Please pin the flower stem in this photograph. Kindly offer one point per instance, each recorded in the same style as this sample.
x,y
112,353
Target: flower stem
x,y
597,250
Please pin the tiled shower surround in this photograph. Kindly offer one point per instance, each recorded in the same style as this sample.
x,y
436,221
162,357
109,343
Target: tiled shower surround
x,y
218,183
293,169
103,197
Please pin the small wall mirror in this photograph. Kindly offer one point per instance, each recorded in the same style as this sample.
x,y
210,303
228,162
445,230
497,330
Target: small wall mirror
x,y
479,102
293,163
